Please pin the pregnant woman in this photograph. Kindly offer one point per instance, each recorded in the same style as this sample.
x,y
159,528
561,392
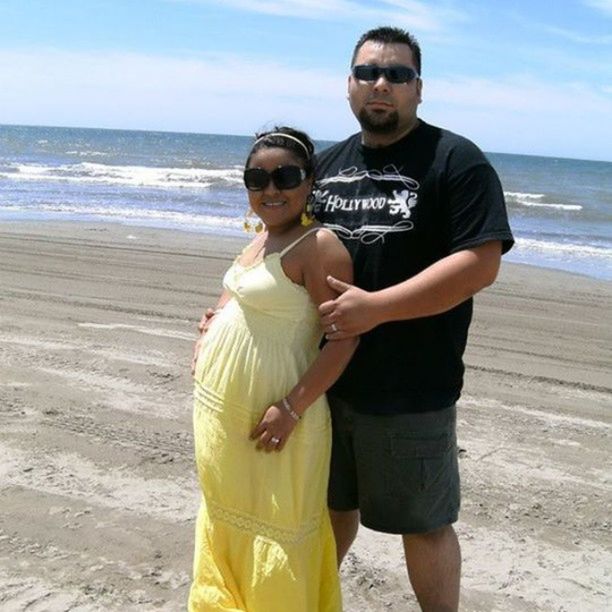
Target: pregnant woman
x,y
261,422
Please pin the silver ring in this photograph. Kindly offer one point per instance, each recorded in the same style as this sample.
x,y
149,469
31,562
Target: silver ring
x,y
275,440
334,328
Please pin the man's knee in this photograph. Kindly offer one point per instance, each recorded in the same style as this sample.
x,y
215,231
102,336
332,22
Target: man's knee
x,y
441,538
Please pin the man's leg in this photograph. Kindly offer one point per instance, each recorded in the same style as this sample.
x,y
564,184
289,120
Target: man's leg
x,y
345,526
434,567
342,491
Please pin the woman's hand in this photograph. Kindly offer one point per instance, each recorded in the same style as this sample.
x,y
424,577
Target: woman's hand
x,y
203,326
209,313
196,352
274,429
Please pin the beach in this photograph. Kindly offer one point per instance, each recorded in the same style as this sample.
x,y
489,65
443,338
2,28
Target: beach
x,y
98,491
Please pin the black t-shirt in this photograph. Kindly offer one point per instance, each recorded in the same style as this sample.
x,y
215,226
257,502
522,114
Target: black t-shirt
x,y
399,209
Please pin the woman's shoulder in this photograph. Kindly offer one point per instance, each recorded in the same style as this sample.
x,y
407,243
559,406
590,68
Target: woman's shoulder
x,y
331,239
323,238
322,246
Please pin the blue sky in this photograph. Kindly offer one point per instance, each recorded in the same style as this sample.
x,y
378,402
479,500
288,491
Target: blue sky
x,y
531,77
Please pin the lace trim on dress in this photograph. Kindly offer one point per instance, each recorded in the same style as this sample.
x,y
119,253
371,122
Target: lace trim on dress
x,y
245,522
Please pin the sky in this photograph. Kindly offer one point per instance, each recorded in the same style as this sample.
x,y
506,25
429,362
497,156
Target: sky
x,y
521,76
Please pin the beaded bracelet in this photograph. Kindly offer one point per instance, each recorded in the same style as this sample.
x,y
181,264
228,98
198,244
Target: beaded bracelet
x,y
287,406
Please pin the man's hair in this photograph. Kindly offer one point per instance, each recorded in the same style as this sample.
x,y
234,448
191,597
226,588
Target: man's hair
x,y
388,35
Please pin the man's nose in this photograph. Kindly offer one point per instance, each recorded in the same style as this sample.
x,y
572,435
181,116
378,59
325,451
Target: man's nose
x,y
381,83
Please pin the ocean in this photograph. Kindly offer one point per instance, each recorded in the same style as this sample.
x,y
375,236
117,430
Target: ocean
x,y
560,209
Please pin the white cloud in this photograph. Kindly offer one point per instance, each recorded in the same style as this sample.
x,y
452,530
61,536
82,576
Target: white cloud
x,y
522,114
239,95
602,5
577,37
415,14
522,93
225,94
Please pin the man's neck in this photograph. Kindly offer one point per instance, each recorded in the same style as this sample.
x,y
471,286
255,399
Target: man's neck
x,y
378,141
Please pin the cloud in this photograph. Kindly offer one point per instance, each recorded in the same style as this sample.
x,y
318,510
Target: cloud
x,y
415,14
573,35
232,94
605,6
524,114
577,37
106,89
519,93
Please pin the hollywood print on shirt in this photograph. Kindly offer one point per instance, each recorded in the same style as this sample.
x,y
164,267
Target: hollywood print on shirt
x,y
367,218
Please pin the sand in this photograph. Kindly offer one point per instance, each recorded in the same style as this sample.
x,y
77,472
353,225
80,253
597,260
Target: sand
x,y
98,492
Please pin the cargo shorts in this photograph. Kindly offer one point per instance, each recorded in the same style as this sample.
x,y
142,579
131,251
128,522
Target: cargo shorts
x,y
400,471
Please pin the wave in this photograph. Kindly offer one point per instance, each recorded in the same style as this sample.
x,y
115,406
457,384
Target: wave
x,y
136,214
87,153
534,200
528,249
554,205
135,176
521,195
566,249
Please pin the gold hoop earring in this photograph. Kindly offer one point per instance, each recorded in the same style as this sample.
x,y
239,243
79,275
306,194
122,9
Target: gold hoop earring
x,y
249,226
307,218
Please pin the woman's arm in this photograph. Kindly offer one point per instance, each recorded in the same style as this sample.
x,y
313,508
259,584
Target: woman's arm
x,y
332,360
321,255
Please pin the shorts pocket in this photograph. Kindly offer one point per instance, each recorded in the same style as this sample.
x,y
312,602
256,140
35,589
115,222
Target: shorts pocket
x,y
422,463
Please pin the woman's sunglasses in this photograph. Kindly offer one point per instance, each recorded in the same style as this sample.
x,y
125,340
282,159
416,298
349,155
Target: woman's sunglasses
x,y
284,177
393,74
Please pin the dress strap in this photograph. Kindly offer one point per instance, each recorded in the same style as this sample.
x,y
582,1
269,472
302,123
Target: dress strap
x,y
298,240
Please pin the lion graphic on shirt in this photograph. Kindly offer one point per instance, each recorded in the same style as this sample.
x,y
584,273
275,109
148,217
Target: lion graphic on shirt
x,y
402,202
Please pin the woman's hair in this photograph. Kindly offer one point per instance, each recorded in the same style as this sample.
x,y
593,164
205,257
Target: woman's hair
x,y
283,137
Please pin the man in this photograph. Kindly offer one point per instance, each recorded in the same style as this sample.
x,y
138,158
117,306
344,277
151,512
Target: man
x,y
422,213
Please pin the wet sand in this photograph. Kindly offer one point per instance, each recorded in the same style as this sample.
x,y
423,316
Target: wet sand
x,y
98,492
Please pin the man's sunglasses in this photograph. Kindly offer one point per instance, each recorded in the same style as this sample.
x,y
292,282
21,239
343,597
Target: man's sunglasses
x,y
393,74
284,177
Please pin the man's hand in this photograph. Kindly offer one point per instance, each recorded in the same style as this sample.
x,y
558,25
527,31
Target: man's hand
x,y
351,314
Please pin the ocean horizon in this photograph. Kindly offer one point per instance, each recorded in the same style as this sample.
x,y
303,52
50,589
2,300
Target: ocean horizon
x,y
560,208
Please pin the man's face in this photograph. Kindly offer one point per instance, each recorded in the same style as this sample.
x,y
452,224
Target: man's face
x,y
383,108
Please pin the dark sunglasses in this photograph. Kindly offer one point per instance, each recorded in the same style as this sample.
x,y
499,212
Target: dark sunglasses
x,y
284,177
393,74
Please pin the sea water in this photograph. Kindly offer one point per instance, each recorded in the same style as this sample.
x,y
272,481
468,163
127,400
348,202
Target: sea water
x,y
560,209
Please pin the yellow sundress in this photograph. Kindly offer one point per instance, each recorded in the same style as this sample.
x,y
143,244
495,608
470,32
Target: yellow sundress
x,y
263,538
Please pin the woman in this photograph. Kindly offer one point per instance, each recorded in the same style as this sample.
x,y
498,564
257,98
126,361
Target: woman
x,y
262,429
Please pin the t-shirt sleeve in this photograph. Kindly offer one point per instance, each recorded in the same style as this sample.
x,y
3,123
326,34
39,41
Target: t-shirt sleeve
x,y
477,212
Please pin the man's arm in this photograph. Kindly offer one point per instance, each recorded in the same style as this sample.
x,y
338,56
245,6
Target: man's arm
x,y
438,288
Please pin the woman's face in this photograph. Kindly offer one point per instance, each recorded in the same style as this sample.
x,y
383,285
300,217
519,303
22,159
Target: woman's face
x,y
279,207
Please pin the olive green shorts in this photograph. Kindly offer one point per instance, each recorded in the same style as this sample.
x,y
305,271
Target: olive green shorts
x,y
400,471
